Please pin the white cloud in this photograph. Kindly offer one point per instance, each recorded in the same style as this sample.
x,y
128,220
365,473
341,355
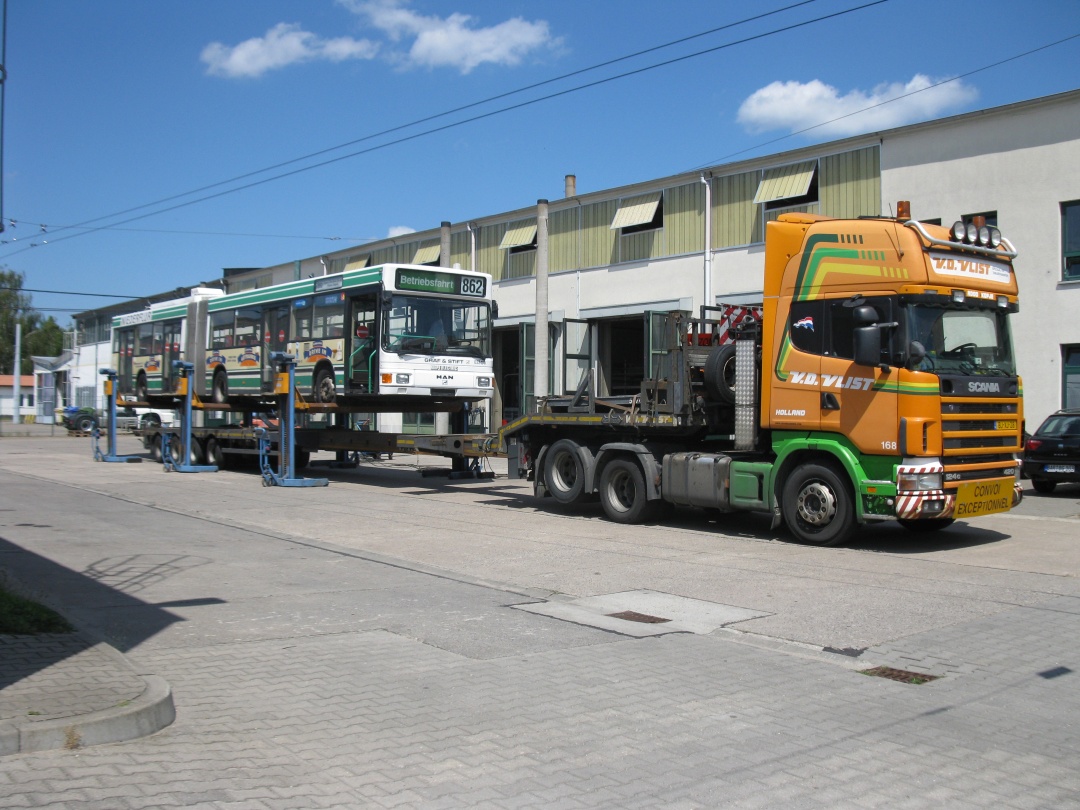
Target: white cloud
x,y
399,230
453,41
284,44
796,106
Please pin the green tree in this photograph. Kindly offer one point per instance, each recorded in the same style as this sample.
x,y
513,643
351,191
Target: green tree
x,y
42,337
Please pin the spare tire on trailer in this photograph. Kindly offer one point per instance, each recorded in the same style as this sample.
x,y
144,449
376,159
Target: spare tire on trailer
x,y
720,374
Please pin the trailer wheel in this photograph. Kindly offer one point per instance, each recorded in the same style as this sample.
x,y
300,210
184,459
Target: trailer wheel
x,y
155,446
622,492
85,423
219,389
195,452
564,472
720,373
214,454
927,525
817,505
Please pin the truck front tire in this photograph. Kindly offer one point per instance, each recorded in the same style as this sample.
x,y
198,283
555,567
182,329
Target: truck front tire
x,y
818,506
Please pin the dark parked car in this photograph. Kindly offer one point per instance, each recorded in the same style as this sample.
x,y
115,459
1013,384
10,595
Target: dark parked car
x,y
1052,454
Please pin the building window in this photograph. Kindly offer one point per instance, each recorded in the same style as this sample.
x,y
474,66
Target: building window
x,y
1070,240
1070,384
788,186
639,214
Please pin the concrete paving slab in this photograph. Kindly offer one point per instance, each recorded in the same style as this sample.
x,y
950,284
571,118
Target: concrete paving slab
x,y
643,613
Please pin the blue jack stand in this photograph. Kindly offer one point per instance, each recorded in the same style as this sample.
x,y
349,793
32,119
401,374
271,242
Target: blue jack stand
x,y
182,464
110,394
286,474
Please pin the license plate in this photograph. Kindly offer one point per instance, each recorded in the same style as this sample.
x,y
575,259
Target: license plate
x,y
979,498
1060,468
1005,424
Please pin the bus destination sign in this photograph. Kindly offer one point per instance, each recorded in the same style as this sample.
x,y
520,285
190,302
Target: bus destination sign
x,y
431,281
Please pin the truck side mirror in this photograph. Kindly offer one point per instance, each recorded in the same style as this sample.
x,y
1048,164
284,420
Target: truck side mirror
x,y
867,345
916,353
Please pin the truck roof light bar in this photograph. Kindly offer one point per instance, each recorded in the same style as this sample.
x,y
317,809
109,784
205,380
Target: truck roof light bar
x,y
1004,249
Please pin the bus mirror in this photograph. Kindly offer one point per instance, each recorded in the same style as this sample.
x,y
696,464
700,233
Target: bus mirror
x,y
867,344
387,300
494,309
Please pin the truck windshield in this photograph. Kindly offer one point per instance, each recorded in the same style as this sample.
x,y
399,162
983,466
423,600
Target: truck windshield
x,y
962,341
418,324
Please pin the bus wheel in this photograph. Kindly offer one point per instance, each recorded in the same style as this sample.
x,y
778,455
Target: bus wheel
x,y
927,524
214,454
564,472
817,505
324,388
219,391
622,492
140,387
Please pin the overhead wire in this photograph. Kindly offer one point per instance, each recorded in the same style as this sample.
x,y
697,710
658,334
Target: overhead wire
x,y
479,117
443,114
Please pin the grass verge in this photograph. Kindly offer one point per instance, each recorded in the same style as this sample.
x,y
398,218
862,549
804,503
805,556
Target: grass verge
x,y
19,616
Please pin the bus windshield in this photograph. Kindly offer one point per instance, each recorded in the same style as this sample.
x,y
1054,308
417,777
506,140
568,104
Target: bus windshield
x,y
962,341
418,324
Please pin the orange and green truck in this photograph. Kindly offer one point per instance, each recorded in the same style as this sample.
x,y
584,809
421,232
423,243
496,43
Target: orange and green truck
x,y
876,382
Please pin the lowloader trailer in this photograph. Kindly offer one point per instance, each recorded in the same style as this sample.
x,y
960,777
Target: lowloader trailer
x,y
875,383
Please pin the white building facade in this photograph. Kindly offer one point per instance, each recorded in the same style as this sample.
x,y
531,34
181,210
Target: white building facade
x,y
616,255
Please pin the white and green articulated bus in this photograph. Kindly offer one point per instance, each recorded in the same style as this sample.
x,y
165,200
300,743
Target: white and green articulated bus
x,y
146,342
385,337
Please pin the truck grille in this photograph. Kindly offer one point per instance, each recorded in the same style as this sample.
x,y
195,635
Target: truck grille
x,y
979,438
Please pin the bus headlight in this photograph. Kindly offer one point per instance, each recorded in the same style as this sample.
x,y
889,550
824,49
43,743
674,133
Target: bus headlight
x,y
403,379
483,382
918,481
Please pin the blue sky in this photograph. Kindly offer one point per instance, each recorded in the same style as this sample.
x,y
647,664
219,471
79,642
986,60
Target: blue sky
x,y
113,105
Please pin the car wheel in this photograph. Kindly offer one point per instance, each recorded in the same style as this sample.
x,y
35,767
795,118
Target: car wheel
x,y
1043,486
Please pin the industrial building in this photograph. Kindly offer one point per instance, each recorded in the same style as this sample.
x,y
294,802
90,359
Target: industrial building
x,y
609,258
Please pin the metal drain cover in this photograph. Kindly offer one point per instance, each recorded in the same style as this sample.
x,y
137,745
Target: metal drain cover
x,y
644,613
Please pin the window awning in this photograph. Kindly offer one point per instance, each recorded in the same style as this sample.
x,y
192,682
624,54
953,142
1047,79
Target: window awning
x,y
638,210
427,254
519,234
785,182
357,262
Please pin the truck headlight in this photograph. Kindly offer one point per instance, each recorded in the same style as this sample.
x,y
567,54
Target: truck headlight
x,y
918,481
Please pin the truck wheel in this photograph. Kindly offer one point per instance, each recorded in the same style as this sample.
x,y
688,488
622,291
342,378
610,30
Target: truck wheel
x,y
926,525
817,505
564,472
720,374
219,390
301,458
214,454
622,492
323,387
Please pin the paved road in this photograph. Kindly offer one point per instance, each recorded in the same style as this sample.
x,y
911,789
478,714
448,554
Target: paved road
x,y
358,646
